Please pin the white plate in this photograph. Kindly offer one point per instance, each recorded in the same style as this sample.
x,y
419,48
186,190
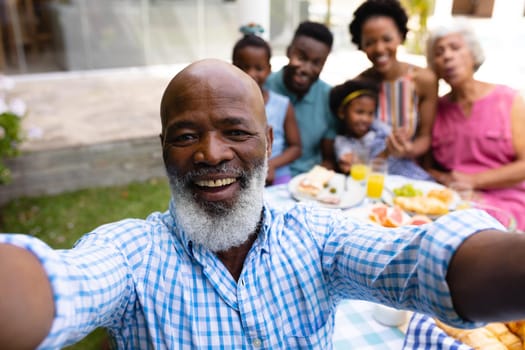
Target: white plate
x,y
352,197
393,181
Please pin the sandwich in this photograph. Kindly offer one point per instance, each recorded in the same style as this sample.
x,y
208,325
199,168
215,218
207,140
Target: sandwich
x,y
315,180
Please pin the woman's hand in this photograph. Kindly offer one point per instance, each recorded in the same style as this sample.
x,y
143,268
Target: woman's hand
x,y
442,177
399,145
468,179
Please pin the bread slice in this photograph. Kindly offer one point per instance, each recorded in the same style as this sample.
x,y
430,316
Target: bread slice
x,y
422,205
494,336
315,180
509,339
444,194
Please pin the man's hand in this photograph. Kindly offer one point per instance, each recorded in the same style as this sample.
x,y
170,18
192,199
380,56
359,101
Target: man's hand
x,y
486,277
26,299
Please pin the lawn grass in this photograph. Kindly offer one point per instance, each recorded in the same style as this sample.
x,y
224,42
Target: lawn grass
x,y
60,220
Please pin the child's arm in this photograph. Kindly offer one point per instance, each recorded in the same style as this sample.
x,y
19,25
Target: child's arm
x,y
344,162
327,151
293,140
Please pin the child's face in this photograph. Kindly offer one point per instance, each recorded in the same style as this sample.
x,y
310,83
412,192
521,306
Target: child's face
x,y
253,61
358,115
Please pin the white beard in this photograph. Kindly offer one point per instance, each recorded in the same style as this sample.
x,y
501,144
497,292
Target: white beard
x,y
223,226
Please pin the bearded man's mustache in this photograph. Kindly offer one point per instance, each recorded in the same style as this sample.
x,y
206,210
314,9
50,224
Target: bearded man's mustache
x,y
242,175
187,180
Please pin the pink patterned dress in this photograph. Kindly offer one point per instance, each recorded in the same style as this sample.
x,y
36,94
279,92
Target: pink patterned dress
x,y
480,142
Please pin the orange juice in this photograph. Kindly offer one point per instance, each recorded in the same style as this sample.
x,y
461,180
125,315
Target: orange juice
x,y
358,172
374,187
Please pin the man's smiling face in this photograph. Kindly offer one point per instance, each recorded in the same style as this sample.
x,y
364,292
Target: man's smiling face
x,y
215,134
215,144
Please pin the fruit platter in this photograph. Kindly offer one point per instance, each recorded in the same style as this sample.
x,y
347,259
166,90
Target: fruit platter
x,y
387,216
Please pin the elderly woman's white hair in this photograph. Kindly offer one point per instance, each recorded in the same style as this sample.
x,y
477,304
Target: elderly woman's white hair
x,y
456,26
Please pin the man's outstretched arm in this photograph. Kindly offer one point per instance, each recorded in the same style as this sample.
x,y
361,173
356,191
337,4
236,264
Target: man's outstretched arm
x,y
26,299
486,277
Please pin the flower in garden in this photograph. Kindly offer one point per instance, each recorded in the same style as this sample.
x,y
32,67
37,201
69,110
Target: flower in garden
x,y
17,107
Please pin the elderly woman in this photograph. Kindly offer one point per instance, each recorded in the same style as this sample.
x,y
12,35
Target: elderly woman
x,y
477,136
408,95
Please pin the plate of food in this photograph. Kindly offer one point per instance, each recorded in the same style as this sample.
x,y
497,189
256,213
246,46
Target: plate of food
x,y
386,216
420,197
327,188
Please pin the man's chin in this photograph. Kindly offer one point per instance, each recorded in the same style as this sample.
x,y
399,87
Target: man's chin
x,y
216,208
302,86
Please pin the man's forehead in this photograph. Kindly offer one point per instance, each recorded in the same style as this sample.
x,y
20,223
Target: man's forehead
x,y
212,72
208,81
211,81
203,94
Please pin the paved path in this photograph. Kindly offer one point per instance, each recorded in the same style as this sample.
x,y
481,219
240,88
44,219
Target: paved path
x,y
84,109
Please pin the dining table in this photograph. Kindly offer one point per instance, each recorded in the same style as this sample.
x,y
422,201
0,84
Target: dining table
x,y
355,326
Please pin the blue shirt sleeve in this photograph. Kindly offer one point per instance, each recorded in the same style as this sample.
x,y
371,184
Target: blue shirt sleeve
x,y
405,267
90,284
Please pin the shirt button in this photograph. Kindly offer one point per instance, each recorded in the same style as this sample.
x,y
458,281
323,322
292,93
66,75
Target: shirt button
x,y
257,342
242,282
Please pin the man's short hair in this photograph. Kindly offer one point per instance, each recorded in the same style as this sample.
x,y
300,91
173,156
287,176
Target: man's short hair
x,y
315,30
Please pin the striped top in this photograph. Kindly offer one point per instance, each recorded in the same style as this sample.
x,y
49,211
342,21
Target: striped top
x,y
398,104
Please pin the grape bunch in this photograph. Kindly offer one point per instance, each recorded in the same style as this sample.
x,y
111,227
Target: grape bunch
x,y
407,190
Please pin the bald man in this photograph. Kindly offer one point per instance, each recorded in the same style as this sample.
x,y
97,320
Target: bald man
x,y
221,269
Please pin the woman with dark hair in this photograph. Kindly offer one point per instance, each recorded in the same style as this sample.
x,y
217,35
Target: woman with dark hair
x,y
408,93
477,137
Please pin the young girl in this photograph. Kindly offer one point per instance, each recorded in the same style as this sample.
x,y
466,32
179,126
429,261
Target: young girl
x,y
354,103
252,54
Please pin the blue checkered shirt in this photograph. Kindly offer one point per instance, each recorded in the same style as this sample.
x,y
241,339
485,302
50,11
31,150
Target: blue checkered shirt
x,y
154,289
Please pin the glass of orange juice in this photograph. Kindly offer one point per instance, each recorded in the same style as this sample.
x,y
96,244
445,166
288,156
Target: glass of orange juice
x,y
376,178
358,171
359,167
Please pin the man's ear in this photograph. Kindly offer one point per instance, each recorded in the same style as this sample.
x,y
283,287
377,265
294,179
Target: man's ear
x,y
288,49
161,137
269,141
